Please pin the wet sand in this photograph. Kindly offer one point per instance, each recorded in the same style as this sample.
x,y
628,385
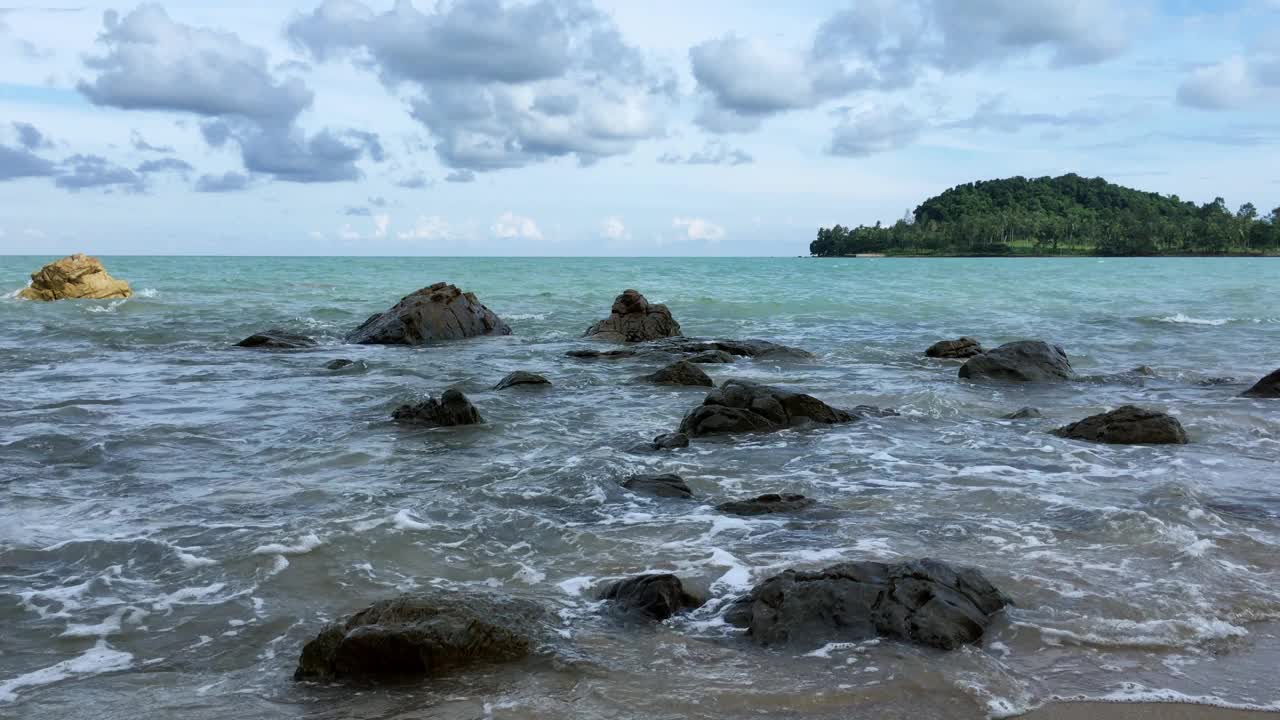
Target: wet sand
x,y
1143,711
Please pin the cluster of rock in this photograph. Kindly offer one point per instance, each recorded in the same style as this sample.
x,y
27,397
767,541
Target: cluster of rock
x,y
452,409
76,277
739,406
634,319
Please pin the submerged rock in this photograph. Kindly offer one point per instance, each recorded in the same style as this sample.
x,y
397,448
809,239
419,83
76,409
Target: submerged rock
x,y
768,505
959,349
671,441
668,485
1267,387
922,601
633,319
680,373
418,636
655,597
736,348
453,408
1127,425
277,339
520,377
601,354
339,364
739,406
1023,361
436,313
711,357
75,277
1026,413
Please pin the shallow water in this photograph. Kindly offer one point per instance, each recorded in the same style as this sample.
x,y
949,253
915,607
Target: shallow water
x,y
181,515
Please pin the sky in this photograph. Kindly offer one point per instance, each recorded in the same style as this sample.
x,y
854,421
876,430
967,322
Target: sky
x,y
602,127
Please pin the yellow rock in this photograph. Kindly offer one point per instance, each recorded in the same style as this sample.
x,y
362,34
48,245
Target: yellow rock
x,y
77,276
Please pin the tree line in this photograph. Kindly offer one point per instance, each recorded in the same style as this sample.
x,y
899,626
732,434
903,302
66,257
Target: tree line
x,y
1067,215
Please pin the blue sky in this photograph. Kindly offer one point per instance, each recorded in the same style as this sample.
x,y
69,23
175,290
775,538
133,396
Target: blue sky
x,y
602,127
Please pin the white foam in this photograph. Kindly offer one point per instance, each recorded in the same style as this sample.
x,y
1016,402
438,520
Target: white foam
x,y
304,545
575,585
108,308
404,520
101,658
1181,319
194,561
1132,692
187,596
527,316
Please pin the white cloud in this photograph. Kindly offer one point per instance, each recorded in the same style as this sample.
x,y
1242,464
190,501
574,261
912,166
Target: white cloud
x,y
380,225
428,227
614,229
510,225
1230,84
699,229
875,130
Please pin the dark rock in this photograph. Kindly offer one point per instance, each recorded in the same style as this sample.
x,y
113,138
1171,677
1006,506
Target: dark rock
x,y
601,354
420,636
711,357
959,349
680,373
339,364
633,319
739,406
1127,425
1025,361
1144,371
922,601
1267,387
432,314
671,441
656,597
667,485
768,505
738,348
453,408
1026,413
520,377
277,339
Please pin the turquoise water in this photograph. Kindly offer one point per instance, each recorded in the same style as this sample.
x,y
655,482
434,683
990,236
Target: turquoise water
x,y
180,515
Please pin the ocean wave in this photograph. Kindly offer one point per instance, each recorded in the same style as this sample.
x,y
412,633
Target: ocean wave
x,y
148,293
1181,319
101,658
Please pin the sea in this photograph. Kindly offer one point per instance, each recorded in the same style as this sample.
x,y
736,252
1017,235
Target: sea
x,y
180,515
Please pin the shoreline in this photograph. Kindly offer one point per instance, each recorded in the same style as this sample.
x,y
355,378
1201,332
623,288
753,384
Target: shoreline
x,y
1145,710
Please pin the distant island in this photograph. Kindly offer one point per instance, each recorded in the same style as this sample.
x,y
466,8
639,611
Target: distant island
x,y
1067,215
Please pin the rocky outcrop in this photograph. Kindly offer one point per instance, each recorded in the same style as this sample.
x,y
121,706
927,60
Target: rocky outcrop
x,y
421,636
654,597
959,349
768,505
1267,387
668,485
633,319
682,372
277,339
1023,361
433,314
739,407
1026,413
1127,425
711,357
75,277
453,408
520,377
923,601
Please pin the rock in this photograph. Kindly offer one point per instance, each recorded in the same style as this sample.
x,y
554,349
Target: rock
x,y
738,348
339,364
680,373
633,319
1144,371
418,636
432,314
922,601
1025,361
520,377
1267,387
959,349
453,408
601,354
277,339
671,441
739,406
667,485
75,277
1026,413
768,505
1127,425
655,597
710,357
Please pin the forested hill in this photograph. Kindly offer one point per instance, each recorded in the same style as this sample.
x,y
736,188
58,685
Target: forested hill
x,y
1067,215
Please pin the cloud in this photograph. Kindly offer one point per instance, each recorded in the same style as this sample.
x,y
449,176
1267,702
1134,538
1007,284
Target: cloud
x,y
991,115
140,144
16,163
1237,82
31,138
699,229
460,176
510,225
165,165
358,212
378,201
875,130
715,152
501,85
428,227
226,182
84,172
151,62
414,182
614,229
884,45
